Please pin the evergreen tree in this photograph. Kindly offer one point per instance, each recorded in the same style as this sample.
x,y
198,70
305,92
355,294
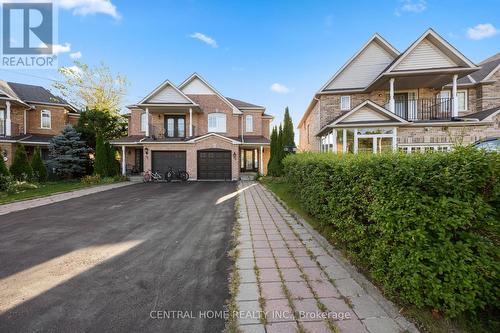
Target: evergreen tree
x,y
4,171
112,164
280,153
101,157
39,170
21,168
68,153
272,158
288,135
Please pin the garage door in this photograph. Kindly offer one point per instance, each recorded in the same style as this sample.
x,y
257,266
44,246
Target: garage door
x,y
214,164
162,160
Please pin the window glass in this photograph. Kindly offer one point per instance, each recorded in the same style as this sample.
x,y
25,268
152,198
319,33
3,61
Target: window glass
x,y
462,100
170,127
217,122
345,103
180,127
350,140
340,140
249,123
365,145
384,145
46,119
2,122
143,122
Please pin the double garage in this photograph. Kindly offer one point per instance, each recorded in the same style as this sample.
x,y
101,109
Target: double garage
x,y
212,164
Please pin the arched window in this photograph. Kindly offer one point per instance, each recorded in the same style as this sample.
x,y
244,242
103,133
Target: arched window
x,y
248,123
144,121
217,122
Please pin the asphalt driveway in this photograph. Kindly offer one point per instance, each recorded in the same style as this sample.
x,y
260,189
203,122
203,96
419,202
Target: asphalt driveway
x,y
120,260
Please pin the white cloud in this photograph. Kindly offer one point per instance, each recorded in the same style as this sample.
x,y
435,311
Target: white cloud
x,y
482,31
58,48
75,55
411,6
279,88
204,38
90,7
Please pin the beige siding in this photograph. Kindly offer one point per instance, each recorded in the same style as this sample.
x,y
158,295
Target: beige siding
x,y
425,55
364,69
197,87
365,114
168,95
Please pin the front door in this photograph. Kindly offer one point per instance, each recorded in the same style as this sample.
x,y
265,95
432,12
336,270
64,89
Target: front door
x,y
249,162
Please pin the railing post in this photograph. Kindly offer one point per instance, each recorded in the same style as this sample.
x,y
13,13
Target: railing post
x,y
454,100
147,121
391,95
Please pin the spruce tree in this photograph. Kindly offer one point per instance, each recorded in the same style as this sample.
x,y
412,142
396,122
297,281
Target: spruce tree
x,y
101,157
21,168
39,170
68,153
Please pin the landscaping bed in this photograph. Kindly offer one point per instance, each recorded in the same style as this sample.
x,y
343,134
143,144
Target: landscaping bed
x,y
423,227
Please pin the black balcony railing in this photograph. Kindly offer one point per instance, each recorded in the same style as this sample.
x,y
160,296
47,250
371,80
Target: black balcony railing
x,y
423,108
158,132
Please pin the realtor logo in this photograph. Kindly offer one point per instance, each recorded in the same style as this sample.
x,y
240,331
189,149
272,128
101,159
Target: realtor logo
x,y
28,33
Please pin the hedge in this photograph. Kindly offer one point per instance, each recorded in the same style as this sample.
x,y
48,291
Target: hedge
x,y
425,226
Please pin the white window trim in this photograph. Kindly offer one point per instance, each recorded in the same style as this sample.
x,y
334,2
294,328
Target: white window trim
x,y
248,126
348,107
143,123
466,102
50,119
220,126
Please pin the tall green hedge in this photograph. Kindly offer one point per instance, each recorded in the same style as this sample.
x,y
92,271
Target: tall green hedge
x,y
425,225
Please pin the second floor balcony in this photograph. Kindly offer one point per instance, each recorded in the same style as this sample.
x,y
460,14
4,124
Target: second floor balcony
x,y
422,109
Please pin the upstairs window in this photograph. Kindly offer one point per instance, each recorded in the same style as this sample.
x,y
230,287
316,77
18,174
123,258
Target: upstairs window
x,y
217,122
249,123
46,119
345,103
144,122
462,100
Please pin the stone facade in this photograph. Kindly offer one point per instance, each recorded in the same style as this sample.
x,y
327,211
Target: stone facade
x,y
489,94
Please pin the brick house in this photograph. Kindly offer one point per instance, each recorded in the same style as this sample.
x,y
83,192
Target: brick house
x,y
31,115
428,97
195,128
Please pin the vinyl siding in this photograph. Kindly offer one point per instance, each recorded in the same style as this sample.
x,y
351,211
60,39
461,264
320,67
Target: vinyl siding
x,y
168,95
197,87
364,114
364,69
423,56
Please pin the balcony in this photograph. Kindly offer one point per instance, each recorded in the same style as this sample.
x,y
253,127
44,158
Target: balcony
x,y
159,133
423,109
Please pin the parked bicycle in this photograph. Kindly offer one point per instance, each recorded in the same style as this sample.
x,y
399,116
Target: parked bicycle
x,y
176,174
152,176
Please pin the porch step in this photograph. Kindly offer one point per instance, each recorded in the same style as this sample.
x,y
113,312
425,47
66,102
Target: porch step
x,y
248,175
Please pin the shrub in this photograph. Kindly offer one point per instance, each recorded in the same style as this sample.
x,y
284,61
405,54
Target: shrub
x,y
68,153
425,225
4,171
91,180
100,157
21,169
39,169
4,182
17,186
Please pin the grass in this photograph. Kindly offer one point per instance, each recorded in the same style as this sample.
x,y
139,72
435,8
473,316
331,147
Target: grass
x,y
46,189
422,318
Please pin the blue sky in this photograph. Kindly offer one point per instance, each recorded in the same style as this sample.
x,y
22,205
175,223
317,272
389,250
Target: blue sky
x,y
246,48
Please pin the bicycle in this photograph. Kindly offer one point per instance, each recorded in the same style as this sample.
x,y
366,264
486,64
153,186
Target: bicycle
x,y
179,174
152,176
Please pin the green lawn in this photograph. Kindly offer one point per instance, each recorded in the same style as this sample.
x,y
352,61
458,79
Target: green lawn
x,y
46,189
485,322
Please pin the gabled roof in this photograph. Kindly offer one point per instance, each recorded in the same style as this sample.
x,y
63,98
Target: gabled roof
x,y
485,114
383,115
376,52
195,76
487,70
430,45
243,105
167,93
35,94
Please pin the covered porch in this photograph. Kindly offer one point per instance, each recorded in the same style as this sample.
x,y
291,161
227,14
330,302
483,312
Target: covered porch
x,y
254,158
131,159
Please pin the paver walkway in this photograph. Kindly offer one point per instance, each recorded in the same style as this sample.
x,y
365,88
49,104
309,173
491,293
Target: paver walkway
x,y
289,282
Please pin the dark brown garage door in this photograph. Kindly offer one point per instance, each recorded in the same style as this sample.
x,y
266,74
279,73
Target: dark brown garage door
x,y
162,160
214,164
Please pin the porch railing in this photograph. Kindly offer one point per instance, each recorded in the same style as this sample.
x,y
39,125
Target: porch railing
x,y
423,108
158,132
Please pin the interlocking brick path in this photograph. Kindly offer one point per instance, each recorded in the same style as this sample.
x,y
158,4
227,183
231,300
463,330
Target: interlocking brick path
x,y
293,280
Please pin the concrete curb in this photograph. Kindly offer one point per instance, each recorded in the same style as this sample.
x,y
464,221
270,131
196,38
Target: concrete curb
x,y
388,306
36,202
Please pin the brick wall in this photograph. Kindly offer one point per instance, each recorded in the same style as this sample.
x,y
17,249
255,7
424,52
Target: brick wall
x,y
8,149
59,118
489,95
210,104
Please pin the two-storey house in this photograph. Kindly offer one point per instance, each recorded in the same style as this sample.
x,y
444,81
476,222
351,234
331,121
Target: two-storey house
x,y
30,115
195,128
428,97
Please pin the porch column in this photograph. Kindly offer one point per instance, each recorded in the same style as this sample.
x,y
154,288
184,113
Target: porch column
x,y
454,100
330,141
261,160
355,141
190,122
391,95
147,121
8,125
124,171
395,139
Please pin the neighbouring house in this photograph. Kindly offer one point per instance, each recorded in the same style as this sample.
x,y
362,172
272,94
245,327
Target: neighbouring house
x,y
31,115
428,97
195,128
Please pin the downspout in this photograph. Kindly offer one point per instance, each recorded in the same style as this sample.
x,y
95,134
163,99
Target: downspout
x,y
241,124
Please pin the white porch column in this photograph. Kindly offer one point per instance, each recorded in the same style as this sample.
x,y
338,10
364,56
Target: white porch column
x,y
190,122
334,138
454,102
355,148
261,160
344,140
24,122
395,139
330,141
392,106
124,171
8,124
147,122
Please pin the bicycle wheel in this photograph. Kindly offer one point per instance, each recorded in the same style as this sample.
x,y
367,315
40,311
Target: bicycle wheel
x,y
183,175
169,175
